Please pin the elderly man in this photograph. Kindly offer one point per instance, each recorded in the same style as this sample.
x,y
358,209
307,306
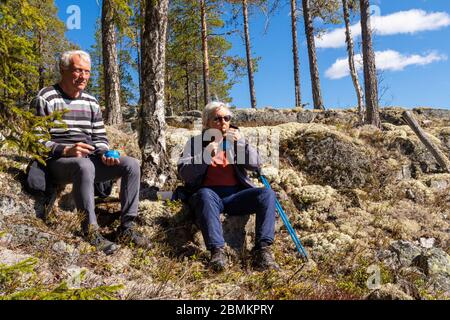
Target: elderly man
x,y
213,166
77,152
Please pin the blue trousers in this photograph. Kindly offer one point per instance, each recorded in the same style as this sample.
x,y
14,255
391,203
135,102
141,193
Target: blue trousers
x,y
209,202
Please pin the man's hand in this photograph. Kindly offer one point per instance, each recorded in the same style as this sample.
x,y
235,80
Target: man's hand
x,y
110,161
79,150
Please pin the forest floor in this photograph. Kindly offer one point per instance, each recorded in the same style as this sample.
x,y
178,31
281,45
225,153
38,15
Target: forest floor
x,y
370,206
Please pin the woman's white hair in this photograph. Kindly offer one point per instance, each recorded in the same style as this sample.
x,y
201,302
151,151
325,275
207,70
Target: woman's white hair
x,y
210,109
66,58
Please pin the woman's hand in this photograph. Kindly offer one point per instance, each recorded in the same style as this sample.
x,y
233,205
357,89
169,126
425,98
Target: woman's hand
x,y
233,134
212,148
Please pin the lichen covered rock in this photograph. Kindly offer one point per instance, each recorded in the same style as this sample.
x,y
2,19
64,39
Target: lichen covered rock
x,y
331,158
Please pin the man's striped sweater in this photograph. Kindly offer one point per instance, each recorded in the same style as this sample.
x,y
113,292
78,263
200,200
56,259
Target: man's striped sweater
x,y
84,120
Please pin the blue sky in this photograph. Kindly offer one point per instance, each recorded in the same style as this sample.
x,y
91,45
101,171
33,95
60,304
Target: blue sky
x,y
411,40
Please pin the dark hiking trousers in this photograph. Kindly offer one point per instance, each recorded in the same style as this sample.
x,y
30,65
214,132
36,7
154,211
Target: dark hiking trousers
x,y
209,202
83,172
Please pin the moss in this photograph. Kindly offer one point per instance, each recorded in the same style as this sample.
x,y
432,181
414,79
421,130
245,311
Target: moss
x,y
18,282
355,282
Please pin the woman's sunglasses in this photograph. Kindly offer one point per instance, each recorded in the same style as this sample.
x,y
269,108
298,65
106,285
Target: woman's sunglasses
x,y
225,118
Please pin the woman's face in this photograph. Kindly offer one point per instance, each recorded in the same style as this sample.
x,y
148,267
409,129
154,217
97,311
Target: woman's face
x,y
219,120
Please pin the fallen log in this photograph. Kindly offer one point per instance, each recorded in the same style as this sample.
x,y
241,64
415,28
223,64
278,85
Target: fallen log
x,y
441,159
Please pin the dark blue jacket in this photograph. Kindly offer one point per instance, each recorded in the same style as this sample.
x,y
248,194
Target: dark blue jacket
x,y
192,167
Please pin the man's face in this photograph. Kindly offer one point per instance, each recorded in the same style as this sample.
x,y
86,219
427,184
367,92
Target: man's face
x,y
77,75
219,120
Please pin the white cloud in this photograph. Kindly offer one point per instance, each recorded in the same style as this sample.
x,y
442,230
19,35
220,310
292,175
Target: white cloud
x,y
411,21
385,60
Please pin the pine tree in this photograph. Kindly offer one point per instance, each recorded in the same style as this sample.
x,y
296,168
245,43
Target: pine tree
x,y
25,66
313,67
110,64
370,76
298,99
96,85
204,29
251,82
126,48
184,63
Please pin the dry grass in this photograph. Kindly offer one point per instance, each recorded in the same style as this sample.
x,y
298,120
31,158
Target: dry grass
x,y
176,268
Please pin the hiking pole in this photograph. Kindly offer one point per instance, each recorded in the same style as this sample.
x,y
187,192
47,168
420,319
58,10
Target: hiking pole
x,y
283,217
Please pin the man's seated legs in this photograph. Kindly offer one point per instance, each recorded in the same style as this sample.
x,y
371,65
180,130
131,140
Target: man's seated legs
x,y
129,171
83,172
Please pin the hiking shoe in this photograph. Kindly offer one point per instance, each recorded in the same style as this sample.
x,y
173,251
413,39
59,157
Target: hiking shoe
x,y
264,260
131,236
48,200
101,243
218,260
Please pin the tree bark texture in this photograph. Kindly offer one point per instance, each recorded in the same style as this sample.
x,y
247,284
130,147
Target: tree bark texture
x,y
111,66
313,68
188,84
204,32
298,100
152,139
422,135
370,70
248,52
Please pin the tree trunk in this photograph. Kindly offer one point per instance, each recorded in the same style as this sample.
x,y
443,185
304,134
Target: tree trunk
x,y
138,35
41,57
298,100
169,107
351,61
152,139
370,76
188,93
249,58
196,96
111,66
313,68
438,155
205,52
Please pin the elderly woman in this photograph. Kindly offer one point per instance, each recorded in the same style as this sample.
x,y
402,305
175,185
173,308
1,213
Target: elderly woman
x,y
213,167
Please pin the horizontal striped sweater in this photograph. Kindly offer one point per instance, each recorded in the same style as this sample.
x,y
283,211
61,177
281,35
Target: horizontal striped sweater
x,y
84,120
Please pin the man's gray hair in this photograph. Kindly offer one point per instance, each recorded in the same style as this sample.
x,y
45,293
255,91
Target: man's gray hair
x,y
66,57
210,109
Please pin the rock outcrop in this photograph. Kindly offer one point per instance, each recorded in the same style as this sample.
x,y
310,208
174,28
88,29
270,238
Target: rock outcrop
x,y
357,197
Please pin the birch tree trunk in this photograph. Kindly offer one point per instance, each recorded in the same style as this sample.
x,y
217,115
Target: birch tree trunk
x,y
248,52
370,75
205,52
313,68
351,61
111,66
152,138
298,100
